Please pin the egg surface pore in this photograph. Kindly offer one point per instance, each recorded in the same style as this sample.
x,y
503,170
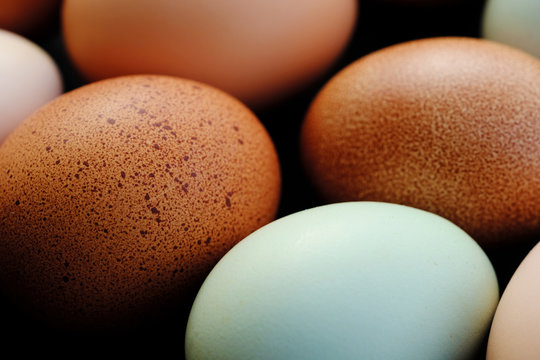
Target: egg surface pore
x,y
448,125
118,197
358,280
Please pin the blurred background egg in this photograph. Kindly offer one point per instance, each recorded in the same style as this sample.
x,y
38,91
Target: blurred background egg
x,y
258,51
28,17
117,198
515,22
30,79
359,280
515,330
449,125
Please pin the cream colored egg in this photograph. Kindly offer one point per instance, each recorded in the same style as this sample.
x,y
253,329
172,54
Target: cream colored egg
x,y
515,330
30,79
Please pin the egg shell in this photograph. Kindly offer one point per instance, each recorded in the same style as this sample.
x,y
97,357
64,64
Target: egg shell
x,y
28,17
258,51
516,23
515,330
448,125
117,198
30,79
357,280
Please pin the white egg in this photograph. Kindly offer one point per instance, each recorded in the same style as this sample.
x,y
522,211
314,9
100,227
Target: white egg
x,y
357,280
30,79
513,22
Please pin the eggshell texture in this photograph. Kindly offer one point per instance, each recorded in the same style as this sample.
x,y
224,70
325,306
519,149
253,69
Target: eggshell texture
x,y
118,197
27,16
258,51
30,79
358,280
516,326
448,125
516,23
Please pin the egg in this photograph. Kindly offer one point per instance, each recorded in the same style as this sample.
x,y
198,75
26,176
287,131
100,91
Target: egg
x,y
516,23
118,197
28,16
516,325
354,280
448,125
30,79
258,51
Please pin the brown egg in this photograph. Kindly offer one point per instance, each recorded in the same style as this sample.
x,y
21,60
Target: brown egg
x,y
258,51
448,125
28,16
117,198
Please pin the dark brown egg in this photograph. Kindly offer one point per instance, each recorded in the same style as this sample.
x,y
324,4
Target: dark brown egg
x,y
28,17
117,198
448,125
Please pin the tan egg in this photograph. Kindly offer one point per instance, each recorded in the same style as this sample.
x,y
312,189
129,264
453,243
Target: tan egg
x,y
516,326
28,16
448,125
258,51
117,198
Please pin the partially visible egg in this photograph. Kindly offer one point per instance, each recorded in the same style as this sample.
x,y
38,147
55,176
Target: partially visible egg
x,y
358,280
258,51
513,22
28,16
515,330
448,125
117,198
30,79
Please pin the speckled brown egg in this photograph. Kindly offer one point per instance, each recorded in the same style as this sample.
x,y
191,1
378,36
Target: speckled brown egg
x,y
117,198
448,125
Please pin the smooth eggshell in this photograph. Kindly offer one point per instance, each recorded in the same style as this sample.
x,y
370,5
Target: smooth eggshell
x,y
117,198
358,280
30,79
258,51
28,16
448,125
513,22
515,330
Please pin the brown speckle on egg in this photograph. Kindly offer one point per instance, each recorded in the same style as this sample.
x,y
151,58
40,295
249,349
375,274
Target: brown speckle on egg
x,y
104,226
